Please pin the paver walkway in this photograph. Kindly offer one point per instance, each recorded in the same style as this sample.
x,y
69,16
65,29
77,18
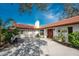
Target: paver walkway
x,y
55,49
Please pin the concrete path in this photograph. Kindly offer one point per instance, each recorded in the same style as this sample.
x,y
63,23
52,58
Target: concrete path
x,y
55,49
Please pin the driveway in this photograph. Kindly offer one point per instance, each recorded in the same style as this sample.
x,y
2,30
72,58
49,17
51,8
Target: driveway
x,y
39,47
55,49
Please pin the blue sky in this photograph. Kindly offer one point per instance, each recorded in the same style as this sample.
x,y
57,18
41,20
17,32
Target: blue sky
x,y
50,16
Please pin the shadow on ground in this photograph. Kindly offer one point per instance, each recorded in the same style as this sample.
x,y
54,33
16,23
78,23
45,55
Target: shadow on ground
x,y
26,47
35,44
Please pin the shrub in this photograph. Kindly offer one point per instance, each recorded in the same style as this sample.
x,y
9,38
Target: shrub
x,y
15,31
8,36
60,37
9,33
37,35
3,30
74,39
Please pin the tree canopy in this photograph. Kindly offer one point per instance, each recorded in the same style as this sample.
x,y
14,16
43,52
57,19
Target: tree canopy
x,y
71,9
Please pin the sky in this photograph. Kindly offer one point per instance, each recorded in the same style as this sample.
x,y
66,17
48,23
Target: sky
x,y
44,17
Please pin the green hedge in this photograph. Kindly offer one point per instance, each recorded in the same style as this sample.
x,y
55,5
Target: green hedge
x,y
74,39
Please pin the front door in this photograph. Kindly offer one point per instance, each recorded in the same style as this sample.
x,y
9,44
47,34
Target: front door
x,y
50,33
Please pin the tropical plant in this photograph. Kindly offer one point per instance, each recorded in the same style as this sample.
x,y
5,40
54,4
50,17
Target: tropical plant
x,y
15,31
8,36
5,32
74,39
60,37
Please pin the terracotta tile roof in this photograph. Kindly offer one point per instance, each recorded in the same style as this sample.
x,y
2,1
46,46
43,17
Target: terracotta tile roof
x,y
23,26
69,21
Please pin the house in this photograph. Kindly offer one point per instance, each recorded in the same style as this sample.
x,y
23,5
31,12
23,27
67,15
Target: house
x,y
28,30
66,26
51,30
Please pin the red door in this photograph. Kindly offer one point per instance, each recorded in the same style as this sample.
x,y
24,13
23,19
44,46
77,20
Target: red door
x,y
50,33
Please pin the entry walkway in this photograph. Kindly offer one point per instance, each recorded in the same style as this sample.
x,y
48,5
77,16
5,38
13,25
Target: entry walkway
x,y
55,49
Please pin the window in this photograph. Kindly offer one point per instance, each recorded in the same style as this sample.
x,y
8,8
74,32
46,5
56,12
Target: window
x,y
58,30
70,29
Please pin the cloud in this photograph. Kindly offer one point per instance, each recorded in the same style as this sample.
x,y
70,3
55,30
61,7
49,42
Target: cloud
x,y
50,16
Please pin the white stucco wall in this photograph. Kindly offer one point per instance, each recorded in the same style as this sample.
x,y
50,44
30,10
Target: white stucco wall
x,y
45,33
75,28
55,32
29,33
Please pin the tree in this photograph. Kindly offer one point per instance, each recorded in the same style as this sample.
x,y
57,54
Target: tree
x,y
4,31
71,9
9,23
28,6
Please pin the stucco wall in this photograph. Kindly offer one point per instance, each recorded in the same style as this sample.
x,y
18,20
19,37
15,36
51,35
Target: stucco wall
x,y
29,33
75,28
45,33
55,32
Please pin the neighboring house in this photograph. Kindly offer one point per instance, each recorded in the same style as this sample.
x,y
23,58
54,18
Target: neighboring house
x,y
66,26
